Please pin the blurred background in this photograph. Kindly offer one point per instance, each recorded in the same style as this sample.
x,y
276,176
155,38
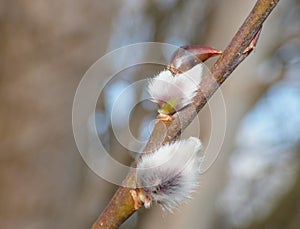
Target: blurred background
x,y
47,46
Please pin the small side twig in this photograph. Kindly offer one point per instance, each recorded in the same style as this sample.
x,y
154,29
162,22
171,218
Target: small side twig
x,y
122,204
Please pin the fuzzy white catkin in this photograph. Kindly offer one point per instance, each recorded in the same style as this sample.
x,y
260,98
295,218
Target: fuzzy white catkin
x,y
181,87
169,175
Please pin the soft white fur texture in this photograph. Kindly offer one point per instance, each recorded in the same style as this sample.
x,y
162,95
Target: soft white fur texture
x,y
182,87
169,175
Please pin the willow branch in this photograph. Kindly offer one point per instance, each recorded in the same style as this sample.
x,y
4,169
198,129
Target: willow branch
x,y
122,205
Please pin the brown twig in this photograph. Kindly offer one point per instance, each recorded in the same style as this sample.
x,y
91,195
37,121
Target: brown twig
x,y
122,205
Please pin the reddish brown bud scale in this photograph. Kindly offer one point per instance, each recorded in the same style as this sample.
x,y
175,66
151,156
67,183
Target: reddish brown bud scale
x,y
186,57
253,43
